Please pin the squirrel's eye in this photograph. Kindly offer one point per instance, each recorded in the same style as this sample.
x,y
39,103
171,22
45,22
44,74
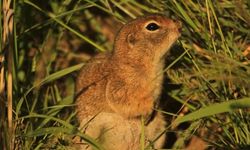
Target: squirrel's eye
x,y
152,27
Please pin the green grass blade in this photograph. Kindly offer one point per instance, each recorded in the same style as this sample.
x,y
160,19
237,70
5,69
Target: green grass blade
x,y
52,16
185,15
215,109
48,79
68,128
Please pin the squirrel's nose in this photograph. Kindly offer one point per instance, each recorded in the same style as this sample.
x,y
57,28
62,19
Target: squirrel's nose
x,y
178,25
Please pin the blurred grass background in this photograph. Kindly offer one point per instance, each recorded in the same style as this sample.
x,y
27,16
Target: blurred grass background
x,y
208,72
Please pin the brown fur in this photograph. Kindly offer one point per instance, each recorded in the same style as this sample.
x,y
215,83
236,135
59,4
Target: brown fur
x,y
120,87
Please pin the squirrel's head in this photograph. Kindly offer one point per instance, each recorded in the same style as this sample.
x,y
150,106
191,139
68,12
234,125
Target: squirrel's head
x,y
150,35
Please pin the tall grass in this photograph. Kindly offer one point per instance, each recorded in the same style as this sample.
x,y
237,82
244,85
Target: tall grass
x,y
53,39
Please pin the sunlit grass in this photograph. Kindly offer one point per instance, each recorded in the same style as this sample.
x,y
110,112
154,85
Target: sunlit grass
x,y
53,39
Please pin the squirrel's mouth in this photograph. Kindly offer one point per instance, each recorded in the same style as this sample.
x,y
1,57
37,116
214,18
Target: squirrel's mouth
x,y
179,26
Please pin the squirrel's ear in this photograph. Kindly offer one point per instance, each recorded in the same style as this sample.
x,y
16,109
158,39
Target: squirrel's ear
x,y
131,39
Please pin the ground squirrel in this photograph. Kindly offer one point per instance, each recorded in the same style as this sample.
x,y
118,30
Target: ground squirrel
x,y
116,88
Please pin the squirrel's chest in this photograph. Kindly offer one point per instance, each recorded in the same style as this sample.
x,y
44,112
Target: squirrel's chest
x,y
155,79
151,79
